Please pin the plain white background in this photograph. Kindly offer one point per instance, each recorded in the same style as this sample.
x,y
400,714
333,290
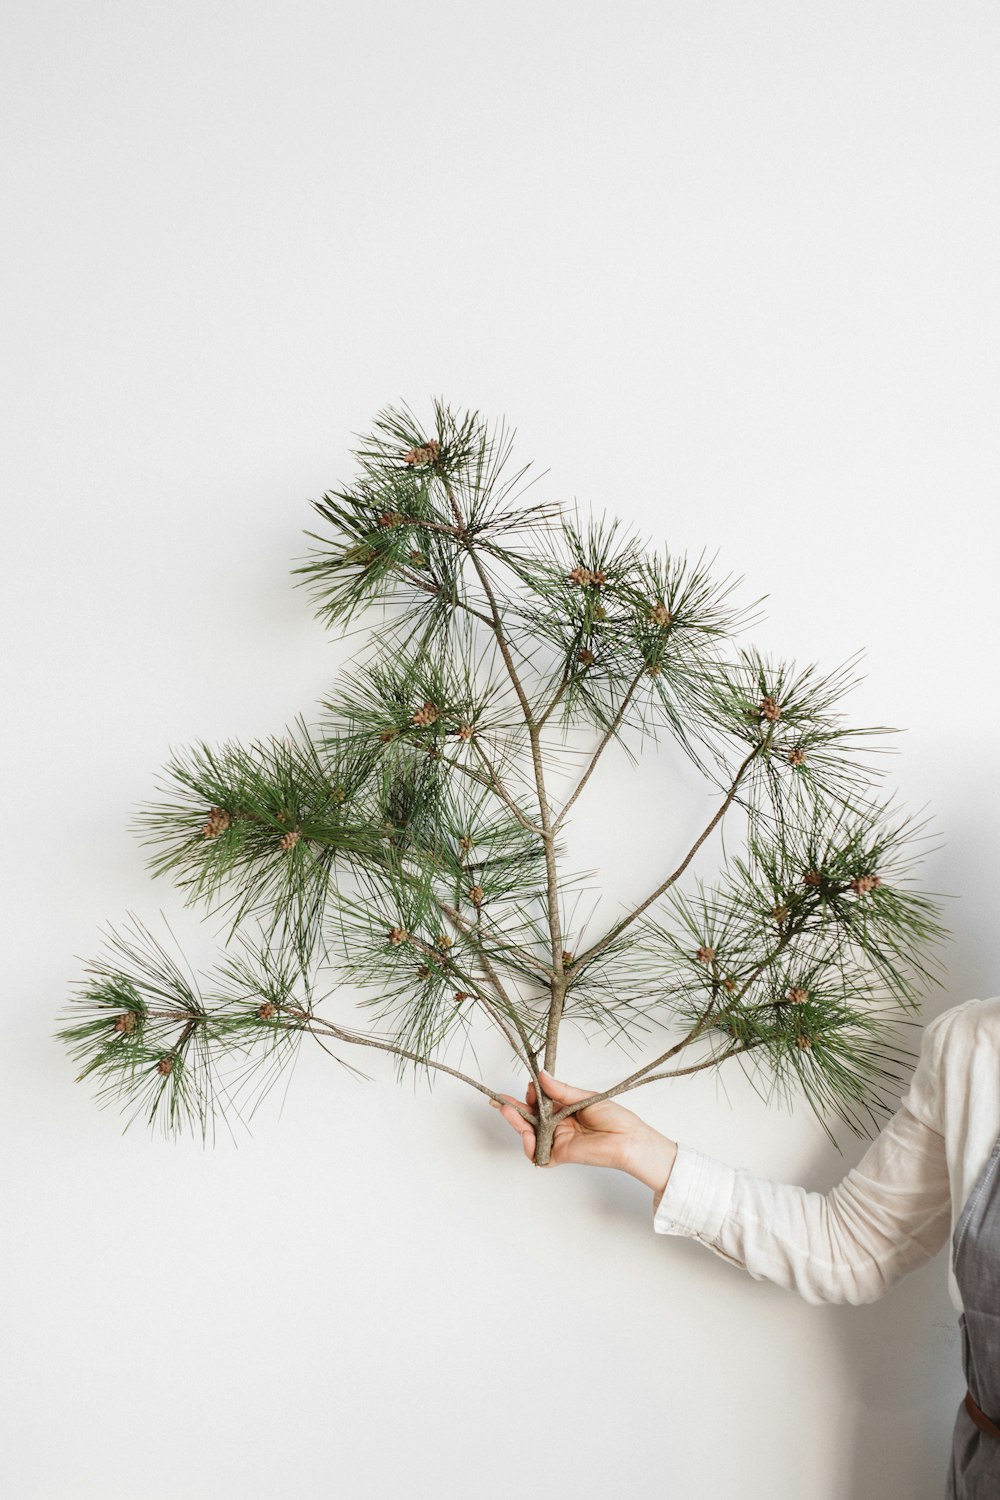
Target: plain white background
x,y
730,270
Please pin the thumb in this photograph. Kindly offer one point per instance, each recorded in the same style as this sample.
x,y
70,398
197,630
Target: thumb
x,y
564,1092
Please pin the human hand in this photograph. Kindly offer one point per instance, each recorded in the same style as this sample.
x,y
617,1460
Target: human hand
x,y
599,1135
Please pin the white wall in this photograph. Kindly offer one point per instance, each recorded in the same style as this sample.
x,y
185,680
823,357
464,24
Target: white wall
x,y
730,269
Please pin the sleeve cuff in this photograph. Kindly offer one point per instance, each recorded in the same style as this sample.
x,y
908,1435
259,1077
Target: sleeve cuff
x,y
697,1196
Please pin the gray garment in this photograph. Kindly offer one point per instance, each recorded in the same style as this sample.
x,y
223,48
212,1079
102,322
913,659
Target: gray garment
x,y
975,1455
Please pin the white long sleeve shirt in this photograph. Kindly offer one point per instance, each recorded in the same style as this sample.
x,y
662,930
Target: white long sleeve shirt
x,y
892,1212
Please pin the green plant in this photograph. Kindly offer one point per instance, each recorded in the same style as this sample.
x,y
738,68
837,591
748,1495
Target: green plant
x,y
408,843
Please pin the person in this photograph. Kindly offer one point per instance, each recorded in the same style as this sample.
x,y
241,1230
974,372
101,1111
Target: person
x,y
933,1170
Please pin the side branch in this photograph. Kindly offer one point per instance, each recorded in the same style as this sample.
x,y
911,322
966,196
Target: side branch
x,y
320,1026
528,1055
494,620
612,727
644,1074
496,785
634,1080
515,950
637,1083
626,921
433,587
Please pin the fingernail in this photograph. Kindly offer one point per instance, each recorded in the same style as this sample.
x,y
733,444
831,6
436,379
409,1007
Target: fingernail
x,y
496,1104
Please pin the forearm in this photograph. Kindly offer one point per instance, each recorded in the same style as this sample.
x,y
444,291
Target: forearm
x,y
887,1216
649,1159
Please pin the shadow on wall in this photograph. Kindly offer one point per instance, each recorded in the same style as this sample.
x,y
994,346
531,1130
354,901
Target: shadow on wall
x,y
901,1359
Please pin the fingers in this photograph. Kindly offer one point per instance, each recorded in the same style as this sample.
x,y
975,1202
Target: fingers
x,y
562,1093
565,1093
520,1124
513,1114
557,1091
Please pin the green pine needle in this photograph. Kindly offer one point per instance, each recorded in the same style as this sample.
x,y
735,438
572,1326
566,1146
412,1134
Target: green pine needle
x,y
404,851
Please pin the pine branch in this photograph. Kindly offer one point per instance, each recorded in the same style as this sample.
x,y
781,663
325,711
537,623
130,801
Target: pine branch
x,y
396,846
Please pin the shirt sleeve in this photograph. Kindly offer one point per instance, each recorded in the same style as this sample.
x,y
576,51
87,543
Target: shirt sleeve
x,y
889,1214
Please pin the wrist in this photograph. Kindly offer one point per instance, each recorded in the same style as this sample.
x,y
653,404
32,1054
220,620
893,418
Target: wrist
x,y
650,1159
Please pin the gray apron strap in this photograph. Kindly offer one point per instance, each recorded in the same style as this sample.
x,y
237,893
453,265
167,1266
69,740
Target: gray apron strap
x,y
975,1456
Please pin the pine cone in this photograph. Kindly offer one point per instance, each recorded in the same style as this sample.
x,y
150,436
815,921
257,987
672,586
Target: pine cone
x,y
660,614
461,995
338,793
218,822
567,957
600,613
444,942
386,735
729,984
770,709
796,757
654,671
798,996
803,1042
865,883
390,518
465,843
427,454
581,576
425,715
586,658
125,1022
705,955
398,935
417,558
598,576
476,894
424,971
780,913
812,877
165,1066
290,839
466,731
266,1010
